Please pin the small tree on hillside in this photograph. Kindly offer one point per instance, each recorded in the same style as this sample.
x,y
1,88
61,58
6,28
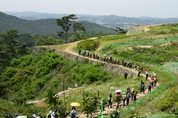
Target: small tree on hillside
x,y
88,105
65,23
120,30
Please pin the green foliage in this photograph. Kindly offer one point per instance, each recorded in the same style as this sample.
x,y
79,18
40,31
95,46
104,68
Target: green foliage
x,y
88,104
168,101
65,23
51,99
10,72
48,41
87,74
88,45
7,107
120,30
114,51
29,74
74,38
160,32
18,98
173,31
4,54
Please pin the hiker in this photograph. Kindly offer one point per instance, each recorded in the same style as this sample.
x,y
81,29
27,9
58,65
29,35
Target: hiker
x,y
35,116
128,90
124,99
132,93
146,74
155,81
125,75
49,114
8,116
123,62
90,55
16,115
139,72
39,115
135,96
73,114
118,97
79,51
118,108
129,65
117,61
110,101
152,82
142,87
149,87
127,99
110,59
84,53
95,101
54,114
73,107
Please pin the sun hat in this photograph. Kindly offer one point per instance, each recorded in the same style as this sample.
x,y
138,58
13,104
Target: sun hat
x,y
34,115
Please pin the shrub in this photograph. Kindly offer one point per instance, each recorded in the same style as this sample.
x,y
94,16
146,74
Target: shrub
x,y
88,45
114,51
15,62
10,72
169,100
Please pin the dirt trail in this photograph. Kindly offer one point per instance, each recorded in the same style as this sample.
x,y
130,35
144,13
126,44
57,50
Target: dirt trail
x,y
107,110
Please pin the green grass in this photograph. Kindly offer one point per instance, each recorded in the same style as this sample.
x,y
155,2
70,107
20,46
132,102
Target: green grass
x,y
155,104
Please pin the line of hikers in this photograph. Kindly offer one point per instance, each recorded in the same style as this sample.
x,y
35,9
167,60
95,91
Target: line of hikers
x,y
109,59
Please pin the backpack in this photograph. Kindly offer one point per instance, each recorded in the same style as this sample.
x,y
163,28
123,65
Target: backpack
x,y
109,98
132,92
124,97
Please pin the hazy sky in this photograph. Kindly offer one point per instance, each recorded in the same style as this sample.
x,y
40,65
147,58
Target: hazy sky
x,y
129,8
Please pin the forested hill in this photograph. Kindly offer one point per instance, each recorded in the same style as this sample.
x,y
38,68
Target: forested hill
x,y
104,20
45,26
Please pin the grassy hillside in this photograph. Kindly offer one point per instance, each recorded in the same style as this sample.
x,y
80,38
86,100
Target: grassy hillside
x,y
155,49
33,75
44,26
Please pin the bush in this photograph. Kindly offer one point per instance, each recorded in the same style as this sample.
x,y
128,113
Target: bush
x,y
169,100
15,62
114,51
88,45
10,72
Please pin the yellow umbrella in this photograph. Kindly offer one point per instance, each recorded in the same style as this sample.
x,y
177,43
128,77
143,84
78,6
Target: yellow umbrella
x,y
75,104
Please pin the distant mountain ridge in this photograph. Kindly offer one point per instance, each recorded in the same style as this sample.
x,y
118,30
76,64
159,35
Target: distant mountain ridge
x,y
44,26
105,20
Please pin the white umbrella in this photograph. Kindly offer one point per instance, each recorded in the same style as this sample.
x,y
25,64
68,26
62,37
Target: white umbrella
x,y
22,117
118,90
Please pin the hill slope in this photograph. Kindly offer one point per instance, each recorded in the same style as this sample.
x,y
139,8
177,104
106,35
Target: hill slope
x,y
44,26
151,49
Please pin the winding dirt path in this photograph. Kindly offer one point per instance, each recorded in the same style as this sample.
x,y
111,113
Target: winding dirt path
x,y
107,110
